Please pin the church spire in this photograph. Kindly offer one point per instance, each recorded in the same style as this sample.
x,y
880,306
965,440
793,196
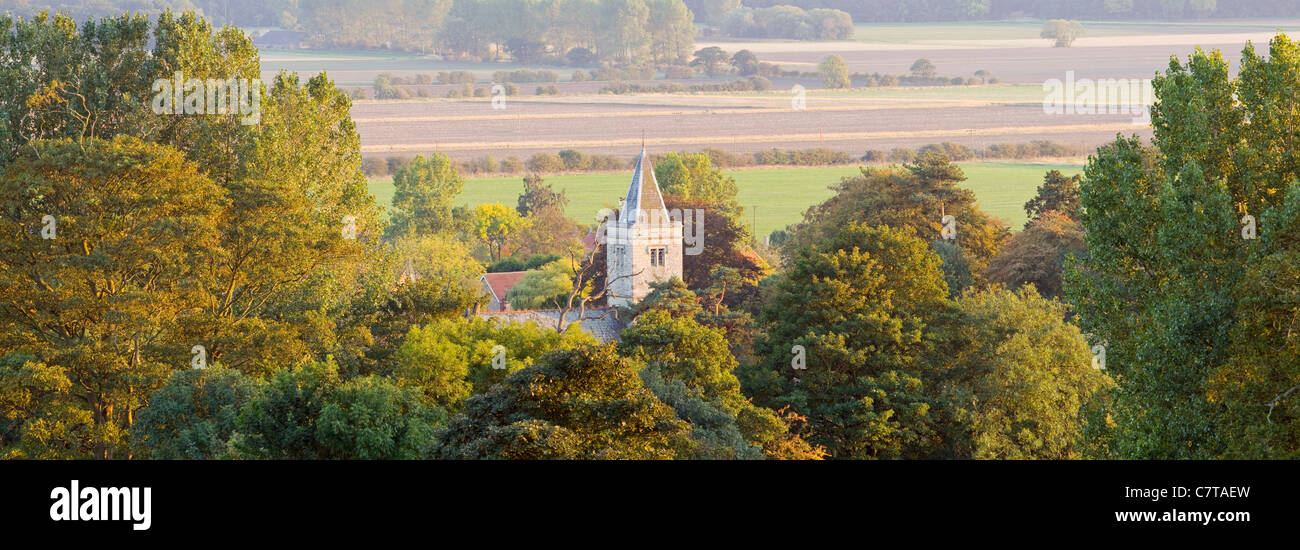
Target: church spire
x,y
643,195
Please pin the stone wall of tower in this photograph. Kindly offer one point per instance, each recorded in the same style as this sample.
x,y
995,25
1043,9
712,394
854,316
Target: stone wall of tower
x,y
630,270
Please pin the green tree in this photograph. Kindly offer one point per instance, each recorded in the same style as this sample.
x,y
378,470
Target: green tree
x,y
495,225
1057,193
435,366
1026,378
1063,31
542,288
692,176
745,62
915,197
709,58
834,72
371,418
194,415
308,412
1169,275
672,33
425,190
585,403
860,307
922,69
95,276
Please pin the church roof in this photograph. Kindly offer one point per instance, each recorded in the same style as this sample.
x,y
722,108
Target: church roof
x,y
643,194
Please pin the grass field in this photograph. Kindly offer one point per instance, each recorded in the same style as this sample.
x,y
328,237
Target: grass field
x,y
772,198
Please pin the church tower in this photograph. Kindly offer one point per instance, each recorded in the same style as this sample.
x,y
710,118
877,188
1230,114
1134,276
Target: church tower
x,y
644,244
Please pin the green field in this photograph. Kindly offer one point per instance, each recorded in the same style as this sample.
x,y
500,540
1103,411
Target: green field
x,y
772,198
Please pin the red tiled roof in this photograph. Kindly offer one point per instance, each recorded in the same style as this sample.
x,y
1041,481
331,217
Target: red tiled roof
x,y
589,240
500,283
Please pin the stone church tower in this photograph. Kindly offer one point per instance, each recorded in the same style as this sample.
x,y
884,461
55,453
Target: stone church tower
x,y
644,244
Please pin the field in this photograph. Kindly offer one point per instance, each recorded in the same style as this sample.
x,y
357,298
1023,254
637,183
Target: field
x,y
773,198
607,124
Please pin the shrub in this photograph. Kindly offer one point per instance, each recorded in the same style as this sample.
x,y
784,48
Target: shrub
x,y
374,167
679,72
545,163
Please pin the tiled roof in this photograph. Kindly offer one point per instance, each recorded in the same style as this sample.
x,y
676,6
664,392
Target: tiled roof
x,y
500,283
643,193
589,240
605,329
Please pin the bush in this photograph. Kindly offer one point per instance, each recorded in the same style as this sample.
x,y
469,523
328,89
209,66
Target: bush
x,y
506,264
574,160
456,77
901,155
548,90
396,163
679,72
579,76
954,151
374,167
874,156
580,57
545,163
512,165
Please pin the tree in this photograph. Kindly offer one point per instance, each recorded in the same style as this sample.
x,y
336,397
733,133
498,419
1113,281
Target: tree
x,y
914,197
308,412
194,415
1063,31
1170,271
722,243
371,418
745,62
496,224
538,196
542,288
95,277
437,368
834,72
711,11
1038,254
586,403
859,307
922,69
692,176
689,367
1257,384
548,229
425,190
1057,193
1026,378
709,58
672,34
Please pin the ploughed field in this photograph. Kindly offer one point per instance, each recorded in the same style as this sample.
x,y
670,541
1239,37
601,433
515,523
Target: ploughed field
x,y
742,123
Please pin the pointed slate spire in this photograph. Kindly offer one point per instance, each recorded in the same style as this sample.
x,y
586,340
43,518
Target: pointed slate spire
x,y
643,194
